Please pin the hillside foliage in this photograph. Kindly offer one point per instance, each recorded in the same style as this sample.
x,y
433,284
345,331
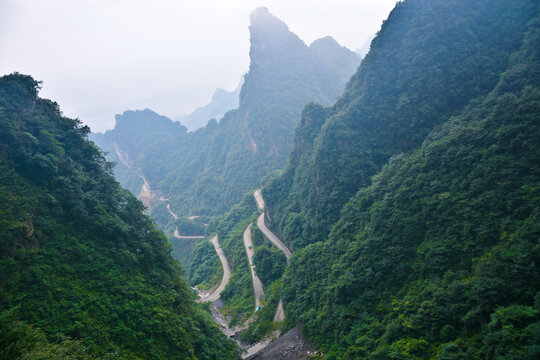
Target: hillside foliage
x,y
85,274
427,62
413,203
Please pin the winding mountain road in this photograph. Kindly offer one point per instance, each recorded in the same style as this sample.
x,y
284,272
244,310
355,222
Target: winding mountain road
x,y
250,251
176,233
266,232
273,238
280,313
259,199
173,214
178,236
226,272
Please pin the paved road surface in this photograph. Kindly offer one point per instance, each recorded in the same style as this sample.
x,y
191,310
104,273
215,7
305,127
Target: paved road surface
x,y
259,199
257,285
273,238
176,233
178,236
269,235
280,314
171,212
226,271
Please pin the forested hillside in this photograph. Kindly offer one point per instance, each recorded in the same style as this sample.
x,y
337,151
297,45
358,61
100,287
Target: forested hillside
x,y
426,64
434,150
411,205
206,172
85,275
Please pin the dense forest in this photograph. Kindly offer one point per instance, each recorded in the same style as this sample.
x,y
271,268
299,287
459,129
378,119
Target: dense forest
x,y
413,202
426,64
85,274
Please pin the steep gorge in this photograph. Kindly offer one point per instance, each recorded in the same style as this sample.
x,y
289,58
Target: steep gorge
x,y
207,171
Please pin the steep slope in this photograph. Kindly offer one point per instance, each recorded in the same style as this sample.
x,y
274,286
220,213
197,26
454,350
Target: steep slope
x,y
257,266
221,102
437,257
212,168
428,61
78,258
144,127
205,271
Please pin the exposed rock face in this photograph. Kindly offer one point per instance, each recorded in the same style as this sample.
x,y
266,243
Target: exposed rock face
x,y
291,346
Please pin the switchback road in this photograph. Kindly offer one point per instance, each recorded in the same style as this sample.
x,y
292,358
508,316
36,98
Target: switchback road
x,y
257,285
226,272
266,232
259,199
178,236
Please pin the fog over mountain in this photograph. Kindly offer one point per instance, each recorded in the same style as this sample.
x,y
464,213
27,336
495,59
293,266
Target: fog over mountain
x,y
221,102
382,203
166,55
208,171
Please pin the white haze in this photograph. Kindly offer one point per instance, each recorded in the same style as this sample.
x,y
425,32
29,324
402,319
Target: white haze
x,y
97,58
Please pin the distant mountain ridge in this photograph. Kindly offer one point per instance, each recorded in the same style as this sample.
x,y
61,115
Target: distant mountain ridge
x,y
221,102
207,171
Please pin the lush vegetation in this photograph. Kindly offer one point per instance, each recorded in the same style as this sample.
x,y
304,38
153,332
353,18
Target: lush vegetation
x,y
191,227
85,274
433,150
427,62
269,262
19,340
238,295
183,249
264,324
412,204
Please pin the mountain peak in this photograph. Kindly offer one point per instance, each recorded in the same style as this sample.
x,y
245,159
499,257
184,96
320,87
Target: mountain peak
x,y
145,120
326,41
261,18
271,39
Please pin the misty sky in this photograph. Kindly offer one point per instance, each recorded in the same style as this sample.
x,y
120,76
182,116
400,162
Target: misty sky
x,y
97,58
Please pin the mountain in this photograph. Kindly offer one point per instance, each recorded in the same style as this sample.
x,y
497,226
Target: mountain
x,y
209,170
145,126
221,102
85,274
404,89
412,204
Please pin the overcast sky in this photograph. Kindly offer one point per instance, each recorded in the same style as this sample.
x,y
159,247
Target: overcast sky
x,y
97,58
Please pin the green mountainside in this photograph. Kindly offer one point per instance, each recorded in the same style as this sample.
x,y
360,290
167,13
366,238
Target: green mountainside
x,y
426,64
85,275
413,203
207,171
